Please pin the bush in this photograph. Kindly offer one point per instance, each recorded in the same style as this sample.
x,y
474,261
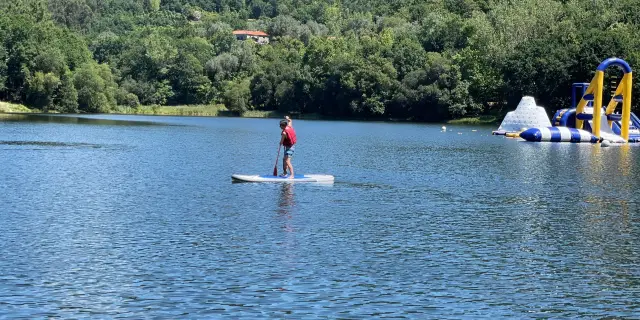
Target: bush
x,y
131,100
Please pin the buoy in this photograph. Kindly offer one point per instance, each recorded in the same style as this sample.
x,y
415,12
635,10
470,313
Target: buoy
x,y
444,128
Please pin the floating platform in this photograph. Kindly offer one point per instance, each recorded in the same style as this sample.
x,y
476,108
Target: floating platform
x,y
558,134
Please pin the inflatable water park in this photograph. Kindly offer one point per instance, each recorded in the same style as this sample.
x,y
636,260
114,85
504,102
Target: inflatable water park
x,y
588,120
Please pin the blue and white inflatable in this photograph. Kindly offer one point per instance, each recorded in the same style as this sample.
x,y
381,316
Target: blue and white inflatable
x,y
558,134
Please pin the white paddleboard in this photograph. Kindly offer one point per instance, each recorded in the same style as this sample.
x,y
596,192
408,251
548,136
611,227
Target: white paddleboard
x,y
322,178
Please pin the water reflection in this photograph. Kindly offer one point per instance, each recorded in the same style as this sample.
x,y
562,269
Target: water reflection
x,y
72,119
285,199
624,161
285,206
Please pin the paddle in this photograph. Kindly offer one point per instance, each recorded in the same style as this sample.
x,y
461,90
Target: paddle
x,y
275,168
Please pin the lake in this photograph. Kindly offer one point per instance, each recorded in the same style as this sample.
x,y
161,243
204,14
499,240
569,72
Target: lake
x,y
136,216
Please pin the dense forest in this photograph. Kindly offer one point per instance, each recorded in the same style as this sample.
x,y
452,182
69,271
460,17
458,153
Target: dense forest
x,y
426,60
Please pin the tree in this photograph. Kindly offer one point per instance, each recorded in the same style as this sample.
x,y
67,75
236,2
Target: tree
x,y
282,26
444,31
220,35
198,47
41,88
245,52
66,100
35,9
107,47
407,55
3,69
148,56
71,13
259,8
281,65
152,5
96,88
188,82
222,67
236,95
148,93
359,24
463,8
50,60
365,86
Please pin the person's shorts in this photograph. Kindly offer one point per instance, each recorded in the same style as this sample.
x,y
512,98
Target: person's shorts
x,y
288,152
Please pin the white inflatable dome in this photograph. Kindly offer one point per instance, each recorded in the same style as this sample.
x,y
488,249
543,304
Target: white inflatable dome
x,y
527,115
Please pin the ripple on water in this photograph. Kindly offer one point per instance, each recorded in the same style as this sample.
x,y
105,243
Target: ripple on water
x,y
143,221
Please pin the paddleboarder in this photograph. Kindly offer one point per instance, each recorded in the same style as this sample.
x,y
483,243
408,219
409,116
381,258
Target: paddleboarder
x,y
288,140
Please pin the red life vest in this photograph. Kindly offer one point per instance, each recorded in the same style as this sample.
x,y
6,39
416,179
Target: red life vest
x,y
290,139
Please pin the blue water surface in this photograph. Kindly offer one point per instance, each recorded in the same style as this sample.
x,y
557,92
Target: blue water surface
x,y
137,217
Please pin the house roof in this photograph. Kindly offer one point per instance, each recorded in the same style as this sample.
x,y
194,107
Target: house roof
x,y
251,33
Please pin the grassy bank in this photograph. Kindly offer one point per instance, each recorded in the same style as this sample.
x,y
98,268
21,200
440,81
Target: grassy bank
x,y
475,120
6,107
190,110
277,114
217,110
261,114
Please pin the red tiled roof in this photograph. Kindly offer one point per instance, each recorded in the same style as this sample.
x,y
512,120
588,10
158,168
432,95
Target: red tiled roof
x,y
251,33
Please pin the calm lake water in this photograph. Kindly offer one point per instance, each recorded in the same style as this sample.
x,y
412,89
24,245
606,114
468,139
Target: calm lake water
x,y
130,216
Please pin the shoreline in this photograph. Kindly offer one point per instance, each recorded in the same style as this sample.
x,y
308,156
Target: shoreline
x,y
221,111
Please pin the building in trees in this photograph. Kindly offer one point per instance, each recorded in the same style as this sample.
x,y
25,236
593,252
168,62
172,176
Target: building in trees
x,y
258,36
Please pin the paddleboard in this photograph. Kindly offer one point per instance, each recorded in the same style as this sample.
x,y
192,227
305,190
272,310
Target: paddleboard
x,y
322,178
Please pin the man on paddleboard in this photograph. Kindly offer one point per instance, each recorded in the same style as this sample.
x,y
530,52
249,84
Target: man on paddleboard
x,y
288,140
